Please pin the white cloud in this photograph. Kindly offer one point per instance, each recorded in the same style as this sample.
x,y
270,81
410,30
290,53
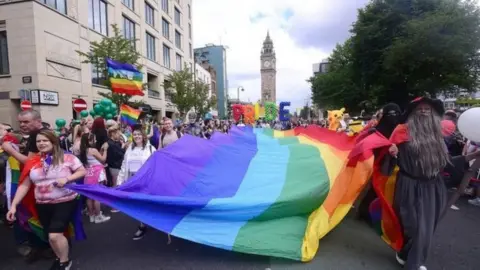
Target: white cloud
x,y
229,22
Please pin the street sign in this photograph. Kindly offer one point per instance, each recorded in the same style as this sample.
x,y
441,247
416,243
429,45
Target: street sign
x,y
79,105
25,105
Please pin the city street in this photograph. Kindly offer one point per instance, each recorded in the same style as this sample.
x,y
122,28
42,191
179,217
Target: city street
x,y
352,245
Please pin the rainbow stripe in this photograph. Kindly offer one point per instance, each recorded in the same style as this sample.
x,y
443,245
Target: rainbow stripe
x,y
129,115
125,78
12,175
257,191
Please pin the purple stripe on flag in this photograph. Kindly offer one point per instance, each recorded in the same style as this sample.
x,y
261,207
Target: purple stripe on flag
x,y
120,66
177,180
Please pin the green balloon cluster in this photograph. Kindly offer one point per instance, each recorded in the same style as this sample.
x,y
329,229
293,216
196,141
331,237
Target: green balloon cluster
x,y
60,123
105,109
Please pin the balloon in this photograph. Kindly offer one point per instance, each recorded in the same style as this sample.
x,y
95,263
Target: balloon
x,y
106,109
270,111
237,110
114,108
60,122
468,124
84,113
109,116
92,113
248,114
98,109
106,102
284,114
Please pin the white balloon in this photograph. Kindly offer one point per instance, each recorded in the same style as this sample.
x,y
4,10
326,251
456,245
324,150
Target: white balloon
x,y
468,124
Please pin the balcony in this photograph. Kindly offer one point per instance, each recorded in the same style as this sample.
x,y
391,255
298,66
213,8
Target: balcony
x,y
153,94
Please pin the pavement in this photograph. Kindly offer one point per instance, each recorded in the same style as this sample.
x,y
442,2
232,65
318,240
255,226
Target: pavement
x,y
351,246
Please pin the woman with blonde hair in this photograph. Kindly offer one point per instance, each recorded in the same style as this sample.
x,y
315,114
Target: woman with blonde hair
x,y
46,174
135,156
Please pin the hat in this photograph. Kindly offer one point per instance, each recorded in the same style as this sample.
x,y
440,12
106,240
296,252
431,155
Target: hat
x,y
436,104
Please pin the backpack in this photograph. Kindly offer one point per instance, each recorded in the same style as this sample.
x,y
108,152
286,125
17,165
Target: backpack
x,y
179,135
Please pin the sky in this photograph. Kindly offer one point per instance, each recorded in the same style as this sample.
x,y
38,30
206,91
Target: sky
x,y
303,34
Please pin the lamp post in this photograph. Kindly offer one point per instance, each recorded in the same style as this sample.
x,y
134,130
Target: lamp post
x,y
240,88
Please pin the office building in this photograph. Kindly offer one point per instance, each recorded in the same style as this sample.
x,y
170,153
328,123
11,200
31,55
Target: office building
x,y
39,40
216,56
319,68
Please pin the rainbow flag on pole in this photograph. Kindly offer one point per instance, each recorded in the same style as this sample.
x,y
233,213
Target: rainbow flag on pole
x,y
129,115
125,78
257,191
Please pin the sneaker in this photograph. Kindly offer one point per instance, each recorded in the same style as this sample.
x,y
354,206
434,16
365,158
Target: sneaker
x,y
101,218
140,233
55,264
65,266
92,219
400,260
422,268
475,201
24,250
454,207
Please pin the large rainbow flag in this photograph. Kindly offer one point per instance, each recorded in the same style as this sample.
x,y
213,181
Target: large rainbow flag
x,y
257,191
125,78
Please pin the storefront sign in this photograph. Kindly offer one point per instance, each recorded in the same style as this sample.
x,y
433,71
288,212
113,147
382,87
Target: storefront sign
x,y
27,79
44,97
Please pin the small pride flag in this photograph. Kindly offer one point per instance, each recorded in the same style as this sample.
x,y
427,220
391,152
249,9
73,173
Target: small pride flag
x,y
129,115
125,78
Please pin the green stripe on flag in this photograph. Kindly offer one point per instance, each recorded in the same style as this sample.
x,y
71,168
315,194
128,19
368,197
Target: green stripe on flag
x,y
279,231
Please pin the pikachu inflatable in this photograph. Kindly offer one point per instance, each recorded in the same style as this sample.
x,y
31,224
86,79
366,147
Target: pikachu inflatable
x,y
334,118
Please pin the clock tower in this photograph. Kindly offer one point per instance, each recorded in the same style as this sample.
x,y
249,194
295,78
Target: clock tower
x,y
268,71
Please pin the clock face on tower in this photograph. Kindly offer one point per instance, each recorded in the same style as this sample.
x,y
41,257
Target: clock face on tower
x,y
267,64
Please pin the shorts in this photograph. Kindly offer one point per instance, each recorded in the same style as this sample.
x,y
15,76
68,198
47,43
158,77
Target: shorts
x,y
56,217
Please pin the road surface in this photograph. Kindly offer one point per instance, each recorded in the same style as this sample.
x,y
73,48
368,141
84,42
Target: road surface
x,y
351,246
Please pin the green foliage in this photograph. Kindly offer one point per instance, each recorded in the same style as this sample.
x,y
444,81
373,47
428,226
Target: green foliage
x,y
400,50
117,48
203,102
186,94
467,101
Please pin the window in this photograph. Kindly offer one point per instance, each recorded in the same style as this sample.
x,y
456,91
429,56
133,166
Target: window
x,y
166,56
59,5
178,62
98,74
177,17
4,64
165,6
150,47
190,50
190,31
189,12
149,14
165,28
178,39
97,16
128,3
129,30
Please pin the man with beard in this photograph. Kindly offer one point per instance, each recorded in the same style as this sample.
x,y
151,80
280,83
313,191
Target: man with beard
x,y
389,117
420,196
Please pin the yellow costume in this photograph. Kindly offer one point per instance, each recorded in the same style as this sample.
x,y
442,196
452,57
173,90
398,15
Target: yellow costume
x,y
334,118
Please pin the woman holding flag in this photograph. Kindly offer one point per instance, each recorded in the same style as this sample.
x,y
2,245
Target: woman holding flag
x,y
41,189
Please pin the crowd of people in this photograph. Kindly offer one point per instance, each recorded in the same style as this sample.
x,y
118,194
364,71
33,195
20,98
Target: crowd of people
x,y
98,151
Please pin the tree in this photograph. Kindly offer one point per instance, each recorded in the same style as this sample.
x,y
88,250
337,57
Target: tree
x,y
118,48
180,87
402,49
337,88
204,102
